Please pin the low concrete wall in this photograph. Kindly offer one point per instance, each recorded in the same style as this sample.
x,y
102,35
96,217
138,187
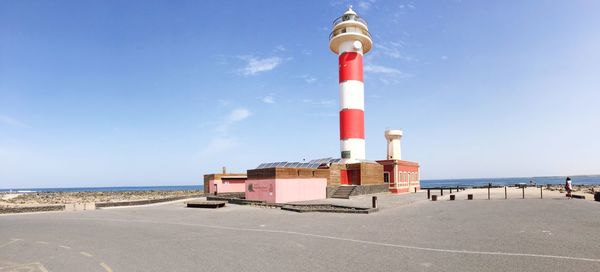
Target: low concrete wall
x,y
71,207
370,189
142,202
46,208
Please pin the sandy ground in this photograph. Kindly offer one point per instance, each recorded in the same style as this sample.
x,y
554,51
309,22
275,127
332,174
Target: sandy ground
x,y
32,199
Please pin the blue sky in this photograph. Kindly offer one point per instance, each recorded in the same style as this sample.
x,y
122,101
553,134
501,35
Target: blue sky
x,y
107,93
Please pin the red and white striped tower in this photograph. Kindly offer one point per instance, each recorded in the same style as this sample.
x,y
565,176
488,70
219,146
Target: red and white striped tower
x,y
350,39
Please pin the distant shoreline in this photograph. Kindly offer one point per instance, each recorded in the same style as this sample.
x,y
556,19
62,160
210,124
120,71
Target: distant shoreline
x,y
551,180
104,189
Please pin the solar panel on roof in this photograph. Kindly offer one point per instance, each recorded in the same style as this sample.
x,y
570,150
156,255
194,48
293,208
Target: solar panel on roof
x,y
310,164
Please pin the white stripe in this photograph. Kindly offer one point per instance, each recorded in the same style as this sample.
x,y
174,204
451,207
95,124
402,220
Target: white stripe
x,y
355,146
348,46
352,95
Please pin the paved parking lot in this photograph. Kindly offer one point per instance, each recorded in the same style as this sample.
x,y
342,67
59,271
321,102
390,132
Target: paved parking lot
x,y
409,233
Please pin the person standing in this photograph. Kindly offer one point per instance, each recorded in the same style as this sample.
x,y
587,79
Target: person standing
x,y
568,187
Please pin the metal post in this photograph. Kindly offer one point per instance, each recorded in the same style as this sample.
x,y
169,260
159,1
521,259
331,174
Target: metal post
x,y
523,187
489,186
428,193
415,189
374,202
450,190
441,192
505,194
541,192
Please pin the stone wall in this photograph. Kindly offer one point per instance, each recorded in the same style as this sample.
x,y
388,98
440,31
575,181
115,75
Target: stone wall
x,y
362,189
370,189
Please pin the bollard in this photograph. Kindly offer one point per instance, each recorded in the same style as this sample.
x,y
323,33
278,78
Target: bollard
x,y
428,194
489,185
452,197
541,192
415,189
523,191
374,200
450,190
505,194
470,197
434,198
441,192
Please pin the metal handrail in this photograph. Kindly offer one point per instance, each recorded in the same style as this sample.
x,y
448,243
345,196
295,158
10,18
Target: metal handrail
x,y
364,32
356,18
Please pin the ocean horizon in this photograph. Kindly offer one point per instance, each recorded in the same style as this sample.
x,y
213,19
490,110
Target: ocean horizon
x,y
466,182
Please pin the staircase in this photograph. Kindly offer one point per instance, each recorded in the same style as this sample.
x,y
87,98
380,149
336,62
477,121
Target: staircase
x,y
343,192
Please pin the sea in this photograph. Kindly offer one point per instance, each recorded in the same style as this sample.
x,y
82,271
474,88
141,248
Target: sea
x,y
474,182
479,182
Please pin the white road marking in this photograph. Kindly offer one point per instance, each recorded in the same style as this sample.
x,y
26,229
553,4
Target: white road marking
x,y
42,242
12,241
42,268
457,251
65,247
106,267
85,254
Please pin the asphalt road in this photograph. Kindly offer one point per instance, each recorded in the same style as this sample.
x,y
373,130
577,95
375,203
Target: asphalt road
x,y
408,234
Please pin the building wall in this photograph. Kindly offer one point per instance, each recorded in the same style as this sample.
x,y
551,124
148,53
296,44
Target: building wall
x,y
225,185
211,179
286,190
365,173
406,179
288,173
289,190
261,189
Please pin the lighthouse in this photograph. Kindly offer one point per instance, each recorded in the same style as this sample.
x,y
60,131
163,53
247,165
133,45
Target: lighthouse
x,y
350,39
351,174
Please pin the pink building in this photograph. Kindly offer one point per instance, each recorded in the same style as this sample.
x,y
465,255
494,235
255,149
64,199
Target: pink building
x,y
283,185
224,183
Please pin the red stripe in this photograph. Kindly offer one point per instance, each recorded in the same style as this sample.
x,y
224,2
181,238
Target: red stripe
x,y
351,66
352,124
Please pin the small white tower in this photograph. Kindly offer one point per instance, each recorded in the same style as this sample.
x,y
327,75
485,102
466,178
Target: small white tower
x,y
393,149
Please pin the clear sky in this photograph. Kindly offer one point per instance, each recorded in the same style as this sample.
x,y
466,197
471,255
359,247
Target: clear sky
x,y
109,93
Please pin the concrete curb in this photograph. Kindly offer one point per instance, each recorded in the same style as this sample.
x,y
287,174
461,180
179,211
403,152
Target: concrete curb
x,y
327,208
